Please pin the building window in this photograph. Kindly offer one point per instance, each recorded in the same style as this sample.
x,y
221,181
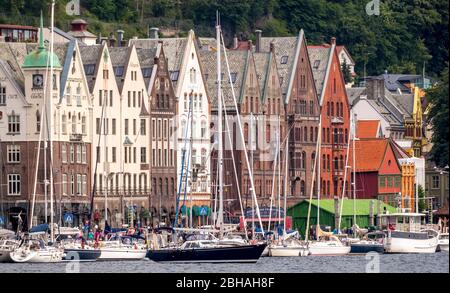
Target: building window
x,y
126,126
13,184
79,185
72,184
78,154
13,153
114,154
435,182
74,124
78,96
143,155
381,182
193,76
83,154
84,189
203,129
64,153
284,59
64,184
64,124
13,123
113,125
2,95
83,125
72,153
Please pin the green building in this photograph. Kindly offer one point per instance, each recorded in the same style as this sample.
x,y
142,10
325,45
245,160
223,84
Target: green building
x,y
329,213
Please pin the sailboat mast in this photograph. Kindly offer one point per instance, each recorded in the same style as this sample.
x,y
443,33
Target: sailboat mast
x,y
52,232
286,180
353,128
219,128
319,148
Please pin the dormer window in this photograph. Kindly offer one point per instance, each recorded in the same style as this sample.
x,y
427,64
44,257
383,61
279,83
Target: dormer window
x,y
284,59
174,75
89,69
147,72
118,70
316,64
233,77
193,76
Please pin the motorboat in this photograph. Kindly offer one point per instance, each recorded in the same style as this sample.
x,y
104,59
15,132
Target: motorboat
x,y
76,248
327,244
123,248
208,251
404,234
443,242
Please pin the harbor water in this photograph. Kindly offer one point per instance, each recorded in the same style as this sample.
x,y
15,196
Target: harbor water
x,y
371,263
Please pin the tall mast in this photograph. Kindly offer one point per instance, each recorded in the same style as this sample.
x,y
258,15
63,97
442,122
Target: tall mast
x,y
354,167
285,182
52,232
219,128
319,148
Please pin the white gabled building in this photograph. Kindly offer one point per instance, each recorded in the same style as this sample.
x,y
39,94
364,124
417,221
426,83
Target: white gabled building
x,y
188,81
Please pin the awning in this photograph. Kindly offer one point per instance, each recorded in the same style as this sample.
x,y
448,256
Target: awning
x,y
185,210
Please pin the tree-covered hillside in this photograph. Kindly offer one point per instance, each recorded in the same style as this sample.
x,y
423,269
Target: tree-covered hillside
x,y
406,35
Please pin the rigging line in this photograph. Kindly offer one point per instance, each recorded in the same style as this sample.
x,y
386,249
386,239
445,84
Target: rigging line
x,y
275,163
316,165
234,168
344,184
186,132
97,155
43,111
242,135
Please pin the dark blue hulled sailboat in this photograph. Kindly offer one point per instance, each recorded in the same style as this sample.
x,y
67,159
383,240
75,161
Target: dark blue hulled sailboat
x,y
212,250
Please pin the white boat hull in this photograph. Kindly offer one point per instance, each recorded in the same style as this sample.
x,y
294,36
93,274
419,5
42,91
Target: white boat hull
x,y
38,256
328,248
443,245
281,251
405,245
122,254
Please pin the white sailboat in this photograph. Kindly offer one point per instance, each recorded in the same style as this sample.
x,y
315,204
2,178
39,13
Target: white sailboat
x,y
35,250
288,245
326,243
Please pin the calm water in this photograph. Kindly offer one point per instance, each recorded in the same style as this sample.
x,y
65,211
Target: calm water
x,y
418,263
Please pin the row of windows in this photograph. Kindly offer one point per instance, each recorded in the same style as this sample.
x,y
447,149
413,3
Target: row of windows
x,y
161,187
73,153
301,134
162,128
74,184
130,155
389,181
74,123
99,124
340,136
133,98
197,102
131,183
203,129
339,109
163,158
103,98
77,96
302,107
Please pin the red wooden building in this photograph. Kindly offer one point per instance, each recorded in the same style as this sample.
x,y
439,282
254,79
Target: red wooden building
x,y
378,174
335,114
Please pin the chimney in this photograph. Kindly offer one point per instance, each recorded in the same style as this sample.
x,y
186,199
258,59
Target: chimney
x,y
99,38
153,33
258,40
120,37
112,40
333,41
272,47
235,42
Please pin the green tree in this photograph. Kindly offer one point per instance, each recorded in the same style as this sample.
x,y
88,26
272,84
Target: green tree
x,y
438,99
346,72
422,203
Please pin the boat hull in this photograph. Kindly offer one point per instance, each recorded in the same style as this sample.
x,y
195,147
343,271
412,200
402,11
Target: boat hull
x,y
233,254
404,242
281,251
81,254
40,256
121,254
5,256
324,249
366,248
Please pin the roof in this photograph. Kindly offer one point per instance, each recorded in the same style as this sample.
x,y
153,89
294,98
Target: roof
x,y
13,26
394,82
320,57
120,57
368,128
285,47
91,56
13,54
380,106
362,206
370,154
238,61
82,34
354,93
174,49
399,152
339,50
262,63
147,60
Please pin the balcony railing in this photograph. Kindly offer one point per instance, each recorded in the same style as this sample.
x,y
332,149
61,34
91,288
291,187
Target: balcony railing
x,y
337,120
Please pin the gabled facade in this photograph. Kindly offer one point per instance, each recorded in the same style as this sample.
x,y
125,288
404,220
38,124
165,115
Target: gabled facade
x,y
335,117
162,139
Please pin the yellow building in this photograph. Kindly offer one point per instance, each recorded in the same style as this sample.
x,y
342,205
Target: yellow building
x,y
414,125
408,186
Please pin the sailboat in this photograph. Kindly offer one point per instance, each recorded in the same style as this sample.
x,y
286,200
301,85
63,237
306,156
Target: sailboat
x,y
288,245
34,248
213,250
326,243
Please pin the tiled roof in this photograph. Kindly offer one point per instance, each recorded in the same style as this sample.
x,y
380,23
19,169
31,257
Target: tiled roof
x,y
174,49
369,154
367,128
319,57
147,60
380,107
207,43
284,47
354,93
405,102
398,81
262,70
13,54
120,57
91,56
237,61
